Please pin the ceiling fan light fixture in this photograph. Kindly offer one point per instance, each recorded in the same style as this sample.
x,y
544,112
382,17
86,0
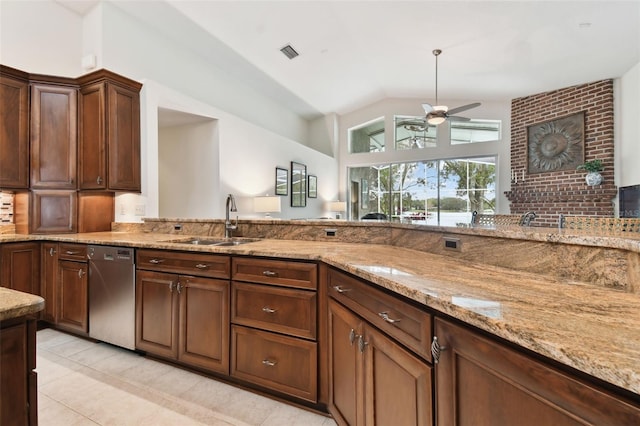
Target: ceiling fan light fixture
x,y
435,120
442,108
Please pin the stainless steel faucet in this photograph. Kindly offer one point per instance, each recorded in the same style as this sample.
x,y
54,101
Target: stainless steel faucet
x,y
228,226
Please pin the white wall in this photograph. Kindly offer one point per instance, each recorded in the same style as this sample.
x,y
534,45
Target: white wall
x,y
627,128
413,107
40,37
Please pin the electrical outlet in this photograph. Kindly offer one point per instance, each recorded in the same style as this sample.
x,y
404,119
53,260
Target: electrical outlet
x,y
140,210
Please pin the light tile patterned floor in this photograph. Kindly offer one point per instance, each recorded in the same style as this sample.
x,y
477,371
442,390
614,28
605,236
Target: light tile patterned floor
x,y
86,383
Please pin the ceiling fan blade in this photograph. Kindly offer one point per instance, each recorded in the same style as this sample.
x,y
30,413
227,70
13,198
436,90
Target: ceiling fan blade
x,y
427,108
458,118
464,108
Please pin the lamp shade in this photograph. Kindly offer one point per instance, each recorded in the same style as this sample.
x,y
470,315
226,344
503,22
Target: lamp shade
x,y
337,206
266,204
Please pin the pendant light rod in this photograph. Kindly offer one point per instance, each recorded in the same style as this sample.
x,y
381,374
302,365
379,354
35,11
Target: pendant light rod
x,y
436,53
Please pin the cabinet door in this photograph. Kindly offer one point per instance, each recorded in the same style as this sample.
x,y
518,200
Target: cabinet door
x,y
92,161
73,313
157,313
14,133
48,280
481,382
21,267
397,384
53,211
123,112
345,366
14,370
204,323
53,136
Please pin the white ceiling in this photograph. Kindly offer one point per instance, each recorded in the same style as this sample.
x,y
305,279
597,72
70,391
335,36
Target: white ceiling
x,y
353,53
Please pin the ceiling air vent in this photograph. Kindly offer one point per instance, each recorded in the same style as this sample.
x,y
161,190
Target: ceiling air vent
x,y
289,51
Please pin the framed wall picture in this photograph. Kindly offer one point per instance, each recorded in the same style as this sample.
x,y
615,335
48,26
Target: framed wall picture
x,y
313,186
556,144
298,185
282,181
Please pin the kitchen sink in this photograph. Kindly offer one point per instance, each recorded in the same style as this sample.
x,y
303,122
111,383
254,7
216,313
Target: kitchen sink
x,y
221,242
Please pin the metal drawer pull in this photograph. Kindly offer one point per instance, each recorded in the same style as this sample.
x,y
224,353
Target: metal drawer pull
x,y
52,251
269,274
71,252
436,350
80,273
269,310
352,336
385,316
362,344
98,180
340,289
202,266
269,363
156,261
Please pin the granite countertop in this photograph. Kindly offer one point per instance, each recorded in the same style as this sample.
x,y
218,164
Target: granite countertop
x,y
14,304
593,329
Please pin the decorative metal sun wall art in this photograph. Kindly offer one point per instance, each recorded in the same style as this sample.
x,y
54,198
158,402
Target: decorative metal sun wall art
x,y
556,144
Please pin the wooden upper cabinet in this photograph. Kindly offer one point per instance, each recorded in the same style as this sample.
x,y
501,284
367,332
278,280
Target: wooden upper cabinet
x,y
53,136
109,147
14,129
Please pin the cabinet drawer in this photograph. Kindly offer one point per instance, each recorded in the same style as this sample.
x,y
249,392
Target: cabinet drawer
x,y
204,265
283,310
70,251
284,364
407,324
278,272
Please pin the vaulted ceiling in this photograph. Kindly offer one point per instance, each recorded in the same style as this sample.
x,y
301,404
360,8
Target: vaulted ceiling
x,y
353,53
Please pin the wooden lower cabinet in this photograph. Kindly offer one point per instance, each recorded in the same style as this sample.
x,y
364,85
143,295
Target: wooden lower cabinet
x,y
482,382
48,281
184,318
372,379
20,266
18,380
285,364
73,296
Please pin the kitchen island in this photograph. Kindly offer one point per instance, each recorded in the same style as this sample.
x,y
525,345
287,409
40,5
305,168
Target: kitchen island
x,y
589,326
18,380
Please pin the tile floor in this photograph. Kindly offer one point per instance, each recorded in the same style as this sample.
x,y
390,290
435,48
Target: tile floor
x,y
86,383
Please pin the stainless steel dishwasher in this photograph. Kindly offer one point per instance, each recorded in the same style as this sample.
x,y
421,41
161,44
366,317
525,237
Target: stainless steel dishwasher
x,y
112,298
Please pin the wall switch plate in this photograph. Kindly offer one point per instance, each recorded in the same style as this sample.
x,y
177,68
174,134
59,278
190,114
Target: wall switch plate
x,y
140,210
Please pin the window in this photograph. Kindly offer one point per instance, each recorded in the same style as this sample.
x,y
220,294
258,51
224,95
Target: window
x,y
367,137
438,192
414,132
474,131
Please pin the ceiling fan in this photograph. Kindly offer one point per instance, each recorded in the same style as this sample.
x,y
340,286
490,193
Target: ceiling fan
x,y
439,113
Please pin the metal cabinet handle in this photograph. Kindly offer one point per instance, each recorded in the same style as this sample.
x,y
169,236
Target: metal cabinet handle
x,y
81,273
269,310
156,261
340,289
171,283
436,350
71,252
352,336
269,363
179,287
385,316
362,344
269,274
99,180
202,266
52,251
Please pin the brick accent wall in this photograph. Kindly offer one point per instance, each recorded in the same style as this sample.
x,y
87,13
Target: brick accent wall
x,y
551,194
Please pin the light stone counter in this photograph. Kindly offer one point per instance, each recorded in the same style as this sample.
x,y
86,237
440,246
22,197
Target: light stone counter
x,y
14,304
591,328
